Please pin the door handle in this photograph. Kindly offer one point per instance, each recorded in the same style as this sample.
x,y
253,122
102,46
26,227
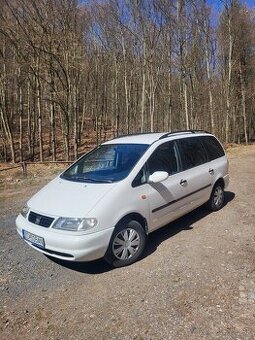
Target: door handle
x,y
211,171
183,182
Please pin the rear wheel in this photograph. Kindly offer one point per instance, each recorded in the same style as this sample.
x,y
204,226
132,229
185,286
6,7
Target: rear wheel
x,y
127,244
216,200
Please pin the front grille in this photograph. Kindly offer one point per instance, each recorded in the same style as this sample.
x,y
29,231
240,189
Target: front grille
x,y
43,221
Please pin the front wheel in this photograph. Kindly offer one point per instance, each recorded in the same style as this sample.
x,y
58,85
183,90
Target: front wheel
x,y
127,244
216,200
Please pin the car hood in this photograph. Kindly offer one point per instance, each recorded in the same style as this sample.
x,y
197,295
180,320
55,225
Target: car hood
x,y
69,199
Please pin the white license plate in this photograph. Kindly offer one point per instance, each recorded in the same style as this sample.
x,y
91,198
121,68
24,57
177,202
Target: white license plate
x,y
34,239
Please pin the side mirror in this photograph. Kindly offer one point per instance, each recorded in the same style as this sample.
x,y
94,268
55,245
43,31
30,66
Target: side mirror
x,y
158,176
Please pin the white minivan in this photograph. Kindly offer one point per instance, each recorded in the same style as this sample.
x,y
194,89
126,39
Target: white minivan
x,y
107,202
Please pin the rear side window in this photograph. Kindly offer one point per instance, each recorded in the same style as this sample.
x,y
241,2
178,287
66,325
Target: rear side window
x,y
213,147
192,152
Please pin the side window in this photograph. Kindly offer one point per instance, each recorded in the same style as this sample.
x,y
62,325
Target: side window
x,y
192,152
164,158
213,147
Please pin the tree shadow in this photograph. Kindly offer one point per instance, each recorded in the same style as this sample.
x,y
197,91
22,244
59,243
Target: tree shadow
x,y
154,240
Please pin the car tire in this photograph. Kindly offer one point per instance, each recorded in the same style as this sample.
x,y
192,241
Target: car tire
x,y
127,244
216,200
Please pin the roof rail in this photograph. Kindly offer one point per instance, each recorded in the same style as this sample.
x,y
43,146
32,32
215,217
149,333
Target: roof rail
x,y
181,131
133,134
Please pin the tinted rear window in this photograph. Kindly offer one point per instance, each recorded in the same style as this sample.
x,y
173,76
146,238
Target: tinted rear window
x,y
213,147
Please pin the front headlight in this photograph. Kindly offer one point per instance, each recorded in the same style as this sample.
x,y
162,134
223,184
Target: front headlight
x,y
75,224
24,211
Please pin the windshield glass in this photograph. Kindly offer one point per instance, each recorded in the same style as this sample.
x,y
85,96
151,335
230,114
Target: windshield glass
x,y
106,164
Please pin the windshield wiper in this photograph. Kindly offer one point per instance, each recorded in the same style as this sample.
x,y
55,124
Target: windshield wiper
x,y
89,180
93,180
80,178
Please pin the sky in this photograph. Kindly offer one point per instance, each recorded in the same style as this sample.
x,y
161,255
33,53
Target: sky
x,y
218,4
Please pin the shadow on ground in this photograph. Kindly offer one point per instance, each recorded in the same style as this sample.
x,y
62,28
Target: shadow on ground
x,y
154,240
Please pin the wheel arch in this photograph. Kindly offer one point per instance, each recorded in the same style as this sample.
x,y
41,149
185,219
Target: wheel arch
x,y
134,216
221,182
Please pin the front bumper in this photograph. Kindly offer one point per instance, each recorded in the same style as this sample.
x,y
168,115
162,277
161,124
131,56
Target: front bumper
x,y
67,246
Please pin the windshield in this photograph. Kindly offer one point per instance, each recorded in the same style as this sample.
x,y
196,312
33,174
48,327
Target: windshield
x,y
106,164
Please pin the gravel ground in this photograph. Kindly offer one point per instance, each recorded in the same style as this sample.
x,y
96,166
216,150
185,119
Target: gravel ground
x,y
196,280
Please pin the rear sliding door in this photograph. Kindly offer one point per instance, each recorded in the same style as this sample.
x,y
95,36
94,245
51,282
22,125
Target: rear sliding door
x,y
196,173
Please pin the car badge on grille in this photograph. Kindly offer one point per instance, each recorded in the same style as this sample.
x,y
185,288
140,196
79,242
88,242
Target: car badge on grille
x,y
38,220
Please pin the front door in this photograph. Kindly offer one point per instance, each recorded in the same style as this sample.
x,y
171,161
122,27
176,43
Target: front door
x,y
164,196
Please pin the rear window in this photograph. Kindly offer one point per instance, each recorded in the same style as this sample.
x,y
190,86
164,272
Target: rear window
x,y
213,147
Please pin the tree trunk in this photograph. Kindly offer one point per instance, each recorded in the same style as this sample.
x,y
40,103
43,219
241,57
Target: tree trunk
x,y
4,108
125,84
243,94
20,122
209,81
229,78
143,86
39,110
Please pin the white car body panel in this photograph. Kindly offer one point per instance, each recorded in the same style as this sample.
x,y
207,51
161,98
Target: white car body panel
x,y
81,247
156,203
68,199
170,200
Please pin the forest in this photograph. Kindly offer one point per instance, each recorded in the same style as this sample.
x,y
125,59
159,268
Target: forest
x,y
75,73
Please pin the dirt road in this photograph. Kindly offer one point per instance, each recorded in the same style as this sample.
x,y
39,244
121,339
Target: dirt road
x,y
196,280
